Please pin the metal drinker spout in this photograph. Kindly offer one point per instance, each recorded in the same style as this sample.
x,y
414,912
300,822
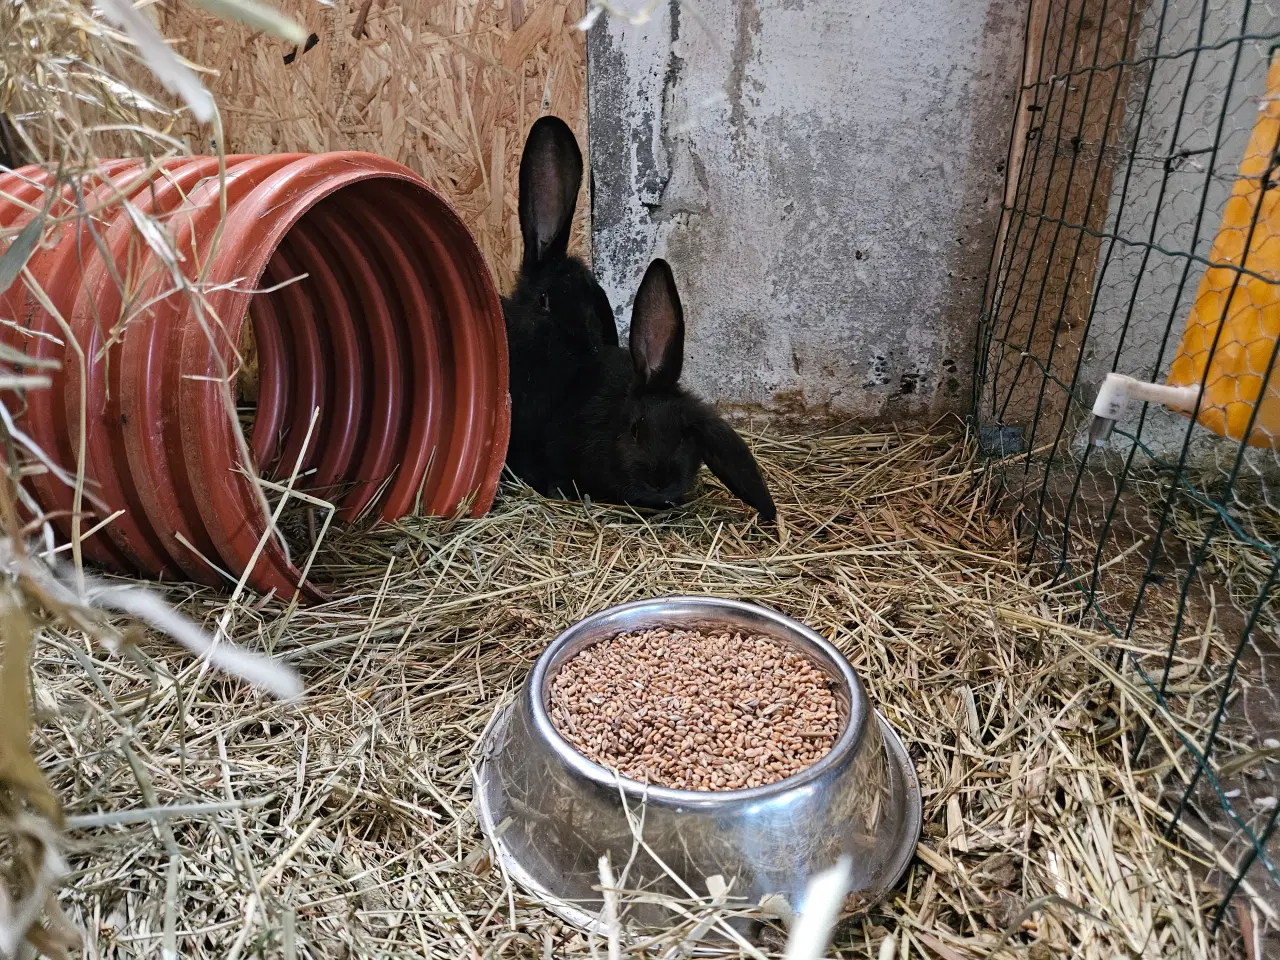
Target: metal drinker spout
x,y
1115,393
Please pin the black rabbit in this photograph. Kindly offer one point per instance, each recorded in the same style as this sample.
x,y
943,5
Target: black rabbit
x,y
558,318
588,417
638,437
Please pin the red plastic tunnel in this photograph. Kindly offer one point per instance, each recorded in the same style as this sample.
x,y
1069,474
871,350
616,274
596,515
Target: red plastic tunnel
x,y
394,333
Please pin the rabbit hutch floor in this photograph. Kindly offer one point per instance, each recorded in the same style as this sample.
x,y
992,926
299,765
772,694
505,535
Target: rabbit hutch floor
x,y
343,825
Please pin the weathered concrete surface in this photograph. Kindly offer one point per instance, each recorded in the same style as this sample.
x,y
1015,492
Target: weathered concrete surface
x,y
824,177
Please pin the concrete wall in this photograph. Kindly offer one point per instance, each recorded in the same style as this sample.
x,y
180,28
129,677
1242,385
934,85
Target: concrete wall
x,y
1142,308
824,177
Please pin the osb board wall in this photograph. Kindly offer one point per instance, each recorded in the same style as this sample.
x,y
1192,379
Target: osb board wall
x,y
447,87
1065,148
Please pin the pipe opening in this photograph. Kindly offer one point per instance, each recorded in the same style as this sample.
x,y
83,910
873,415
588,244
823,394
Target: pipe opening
x,y
355,325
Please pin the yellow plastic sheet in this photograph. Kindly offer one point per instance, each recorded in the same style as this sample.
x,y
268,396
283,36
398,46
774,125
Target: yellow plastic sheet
x,y
1234,386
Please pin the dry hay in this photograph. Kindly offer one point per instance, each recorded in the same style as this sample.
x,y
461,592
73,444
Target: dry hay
x,y
447,87
208,820
1197,579
343,825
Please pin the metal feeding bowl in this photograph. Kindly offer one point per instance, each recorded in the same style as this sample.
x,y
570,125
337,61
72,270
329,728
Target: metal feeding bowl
x,y
551,813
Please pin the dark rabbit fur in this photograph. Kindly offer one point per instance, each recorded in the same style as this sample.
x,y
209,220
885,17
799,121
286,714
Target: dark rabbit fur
x,y
558,318
588,417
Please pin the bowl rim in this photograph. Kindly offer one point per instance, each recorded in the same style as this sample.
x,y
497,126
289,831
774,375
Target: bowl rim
x,y
847,745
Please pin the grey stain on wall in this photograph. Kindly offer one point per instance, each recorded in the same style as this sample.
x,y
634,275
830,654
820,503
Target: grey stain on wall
x,y
747,27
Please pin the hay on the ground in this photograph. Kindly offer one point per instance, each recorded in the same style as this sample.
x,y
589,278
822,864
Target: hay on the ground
x,y
208,820
344,825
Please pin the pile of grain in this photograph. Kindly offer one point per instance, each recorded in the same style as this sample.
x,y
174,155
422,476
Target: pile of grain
x,y
679,708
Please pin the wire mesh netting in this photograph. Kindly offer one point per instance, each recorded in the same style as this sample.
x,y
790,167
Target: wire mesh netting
x,y
1140,236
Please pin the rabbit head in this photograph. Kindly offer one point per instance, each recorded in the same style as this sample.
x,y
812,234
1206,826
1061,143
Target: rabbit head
x,y
664,433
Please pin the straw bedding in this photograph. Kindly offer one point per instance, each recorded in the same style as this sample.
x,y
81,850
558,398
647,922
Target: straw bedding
x,y
447,87
343,825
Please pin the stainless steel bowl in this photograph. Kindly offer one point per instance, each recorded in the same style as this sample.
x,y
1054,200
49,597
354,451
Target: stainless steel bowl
x,y
551,813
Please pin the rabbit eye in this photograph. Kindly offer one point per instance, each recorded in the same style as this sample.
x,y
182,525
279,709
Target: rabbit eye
x,y
544,300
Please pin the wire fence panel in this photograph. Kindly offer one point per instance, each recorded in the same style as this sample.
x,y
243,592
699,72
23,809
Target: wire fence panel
x,y
1141,236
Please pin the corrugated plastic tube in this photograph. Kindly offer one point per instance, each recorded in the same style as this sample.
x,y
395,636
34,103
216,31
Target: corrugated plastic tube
x,y
394,333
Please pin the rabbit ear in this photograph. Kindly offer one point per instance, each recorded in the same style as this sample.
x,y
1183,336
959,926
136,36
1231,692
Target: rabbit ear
x,y
727,456
550,175
657,328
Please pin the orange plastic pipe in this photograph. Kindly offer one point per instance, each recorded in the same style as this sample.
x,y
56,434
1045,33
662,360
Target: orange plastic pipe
x,y
395,334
